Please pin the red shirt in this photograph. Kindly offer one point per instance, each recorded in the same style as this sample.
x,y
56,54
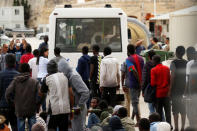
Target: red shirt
x,y
26,57
160,77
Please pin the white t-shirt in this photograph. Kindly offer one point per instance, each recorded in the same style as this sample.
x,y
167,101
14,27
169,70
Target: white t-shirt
x,y
188,69
42,67
34,67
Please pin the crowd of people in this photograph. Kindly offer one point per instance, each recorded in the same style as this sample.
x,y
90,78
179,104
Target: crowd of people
x,y
41,94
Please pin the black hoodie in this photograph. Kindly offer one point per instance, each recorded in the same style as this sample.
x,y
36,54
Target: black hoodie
x,y
146,74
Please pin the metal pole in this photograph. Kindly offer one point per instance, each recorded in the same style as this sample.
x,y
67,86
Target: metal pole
x,y
155,8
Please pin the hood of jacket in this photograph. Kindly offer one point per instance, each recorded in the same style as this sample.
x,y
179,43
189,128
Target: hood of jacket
x,y
86,57
150,64
127,121
22,77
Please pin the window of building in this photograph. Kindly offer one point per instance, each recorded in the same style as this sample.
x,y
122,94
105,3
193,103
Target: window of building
x,y
18,26
17,12
41,29
74,33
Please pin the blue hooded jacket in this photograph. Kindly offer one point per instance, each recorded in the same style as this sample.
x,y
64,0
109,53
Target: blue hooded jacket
x,y
83,67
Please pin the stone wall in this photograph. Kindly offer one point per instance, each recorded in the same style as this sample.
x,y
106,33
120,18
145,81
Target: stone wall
x,y
41,9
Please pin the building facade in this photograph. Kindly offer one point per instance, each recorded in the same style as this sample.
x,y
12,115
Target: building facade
x,y
12,17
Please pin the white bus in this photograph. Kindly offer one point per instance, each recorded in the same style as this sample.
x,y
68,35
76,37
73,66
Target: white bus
x,y
72,28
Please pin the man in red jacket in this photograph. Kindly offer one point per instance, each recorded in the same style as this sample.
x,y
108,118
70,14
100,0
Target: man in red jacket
x,y
160,78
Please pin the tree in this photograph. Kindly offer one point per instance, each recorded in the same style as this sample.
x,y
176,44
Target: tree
x,y
26,6
16,3
22,2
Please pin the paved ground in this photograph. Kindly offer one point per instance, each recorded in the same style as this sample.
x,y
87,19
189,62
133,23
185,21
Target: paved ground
x,y
143,106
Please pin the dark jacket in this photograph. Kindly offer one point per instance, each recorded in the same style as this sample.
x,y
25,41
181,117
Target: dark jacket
x,y
83,67
146,75
6,77
43,45
23,91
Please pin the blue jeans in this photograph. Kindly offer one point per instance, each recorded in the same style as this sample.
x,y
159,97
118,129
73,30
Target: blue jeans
x,y
93,120
151,108
21,123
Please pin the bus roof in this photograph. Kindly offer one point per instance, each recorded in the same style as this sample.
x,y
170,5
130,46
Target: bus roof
x,y
87,12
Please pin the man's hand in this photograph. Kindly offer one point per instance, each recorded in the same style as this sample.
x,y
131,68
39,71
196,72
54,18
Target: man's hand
x,y
126,90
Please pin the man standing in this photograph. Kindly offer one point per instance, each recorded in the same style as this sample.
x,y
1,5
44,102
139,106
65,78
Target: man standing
x,y
28,55
160,78
192,91
110,77
178,83
83,67
25,92
95,62
2,58
146,78
80,91
125,85
6,77
135,64
55,84
44,44
57,57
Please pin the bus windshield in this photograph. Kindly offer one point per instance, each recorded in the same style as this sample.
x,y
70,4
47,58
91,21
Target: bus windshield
x,y
73,33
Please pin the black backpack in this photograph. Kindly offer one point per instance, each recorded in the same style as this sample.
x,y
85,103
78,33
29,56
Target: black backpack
x,y
149,94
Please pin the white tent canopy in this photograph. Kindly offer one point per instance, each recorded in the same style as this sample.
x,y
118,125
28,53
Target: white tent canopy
x,y
167,16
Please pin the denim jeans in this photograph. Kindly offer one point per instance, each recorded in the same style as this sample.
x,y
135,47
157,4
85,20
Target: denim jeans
x,y
151,108
93,120
21,123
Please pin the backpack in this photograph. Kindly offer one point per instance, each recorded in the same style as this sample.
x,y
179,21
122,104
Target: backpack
x,y
149,94
193,78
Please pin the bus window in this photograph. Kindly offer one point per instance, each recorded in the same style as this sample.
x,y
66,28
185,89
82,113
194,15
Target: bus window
x,y
74,33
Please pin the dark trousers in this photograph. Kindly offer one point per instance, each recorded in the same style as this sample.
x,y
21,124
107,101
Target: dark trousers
x,y
95,91
10,116
58,121
44,100
109,94
164,103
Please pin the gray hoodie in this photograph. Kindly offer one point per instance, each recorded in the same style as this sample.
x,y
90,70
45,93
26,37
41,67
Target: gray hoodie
x,y
80,90
23,91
